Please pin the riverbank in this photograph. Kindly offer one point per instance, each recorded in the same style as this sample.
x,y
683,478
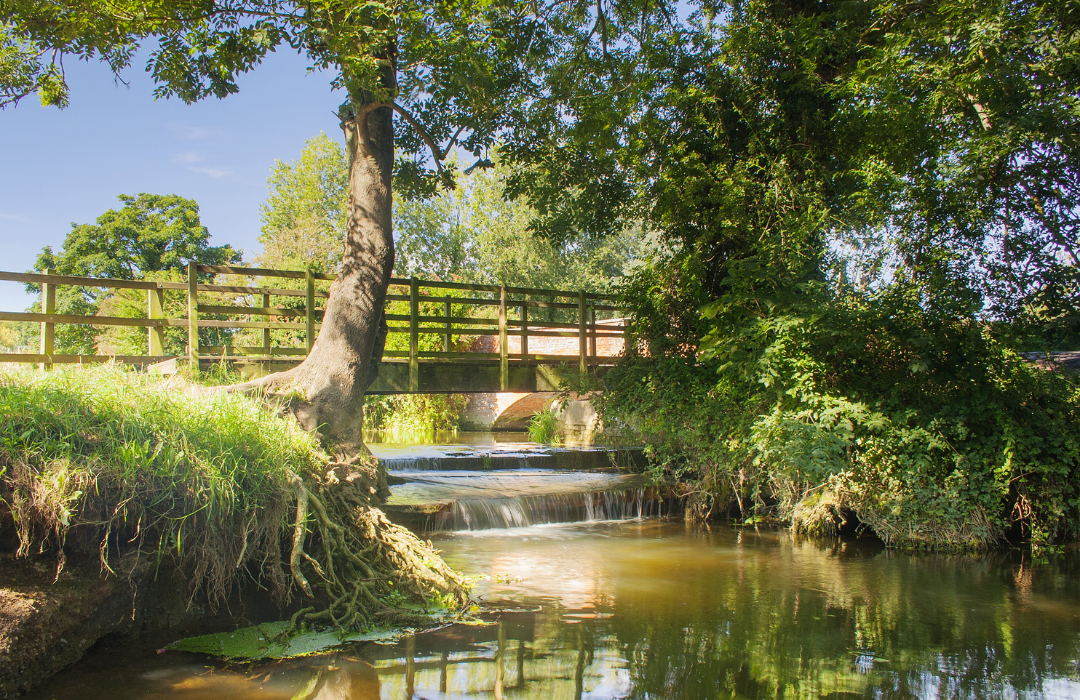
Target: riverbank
x,y
969,447
118,485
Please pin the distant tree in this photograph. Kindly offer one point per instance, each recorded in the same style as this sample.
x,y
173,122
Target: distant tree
x,y
472,233
304,218
149,234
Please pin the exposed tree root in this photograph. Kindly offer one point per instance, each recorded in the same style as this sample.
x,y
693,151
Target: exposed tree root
x,y
357,558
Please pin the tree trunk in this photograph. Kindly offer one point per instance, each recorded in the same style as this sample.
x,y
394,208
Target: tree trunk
x,y
326,391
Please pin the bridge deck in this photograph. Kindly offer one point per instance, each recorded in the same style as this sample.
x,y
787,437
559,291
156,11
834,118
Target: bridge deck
x,y
461,338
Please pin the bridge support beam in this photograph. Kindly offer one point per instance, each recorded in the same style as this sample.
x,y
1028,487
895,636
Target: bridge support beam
x,y
472,378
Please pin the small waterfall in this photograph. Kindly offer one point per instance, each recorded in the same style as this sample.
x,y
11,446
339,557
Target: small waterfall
x,y
523,511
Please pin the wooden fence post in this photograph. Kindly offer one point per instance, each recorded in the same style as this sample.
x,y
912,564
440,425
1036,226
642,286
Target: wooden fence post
x,y
309,309
504,364
414,335
48,329
583,365
193,315
155,309
525,330
448,341
592,332
266,331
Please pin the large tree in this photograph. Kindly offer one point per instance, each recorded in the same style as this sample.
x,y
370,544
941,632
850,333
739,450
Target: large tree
x,y
459,75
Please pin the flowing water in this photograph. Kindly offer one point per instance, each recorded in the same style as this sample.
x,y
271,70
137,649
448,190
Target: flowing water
x,y
623,605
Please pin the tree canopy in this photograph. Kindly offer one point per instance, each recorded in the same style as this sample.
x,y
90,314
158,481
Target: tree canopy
x,y
148,234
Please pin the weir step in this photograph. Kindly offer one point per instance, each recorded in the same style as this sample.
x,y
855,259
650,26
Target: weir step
x,y
482,460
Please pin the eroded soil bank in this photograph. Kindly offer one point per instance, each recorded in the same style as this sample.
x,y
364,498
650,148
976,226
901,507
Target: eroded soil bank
x,y
163,507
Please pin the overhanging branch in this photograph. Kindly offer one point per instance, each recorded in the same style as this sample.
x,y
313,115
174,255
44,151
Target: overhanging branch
x,y
438,154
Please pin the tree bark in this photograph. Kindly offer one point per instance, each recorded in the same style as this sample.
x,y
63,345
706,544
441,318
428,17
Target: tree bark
x,y
326,391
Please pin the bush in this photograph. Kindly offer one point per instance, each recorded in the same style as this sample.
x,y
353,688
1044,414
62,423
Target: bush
x,y
544,427
406,417
927,426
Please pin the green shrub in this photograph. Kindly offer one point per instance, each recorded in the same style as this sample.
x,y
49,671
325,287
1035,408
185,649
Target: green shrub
x,y
409,417
927,426
544,428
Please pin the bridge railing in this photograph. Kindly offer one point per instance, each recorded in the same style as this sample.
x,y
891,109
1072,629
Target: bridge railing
x,y
443,321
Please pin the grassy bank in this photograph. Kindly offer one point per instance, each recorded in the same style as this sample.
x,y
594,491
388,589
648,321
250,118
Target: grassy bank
x,y
97,461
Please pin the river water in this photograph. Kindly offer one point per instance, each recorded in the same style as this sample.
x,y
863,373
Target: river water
x,y
653,608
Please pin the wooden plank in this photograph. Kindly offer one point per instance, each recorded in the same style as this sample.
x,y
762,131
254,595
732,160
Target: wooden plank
x,y
251,359
463,320
267,342
193,315
155,310
253,271
448,326
504,376
398,281
550,305
457,331
35,358
252,310
276,325
562,294
48,328
245,351
79,320
273,291
99,282
309,309
414,337
524,323
582,343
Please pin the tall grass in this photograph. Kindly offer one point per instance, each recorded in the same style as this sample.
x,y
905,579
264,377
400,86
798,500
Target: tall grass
x,y
544,427
104,459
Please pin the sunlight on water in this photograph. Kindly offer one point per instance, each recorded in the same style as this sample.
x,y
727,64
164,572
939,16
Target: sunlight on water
x,y
654,609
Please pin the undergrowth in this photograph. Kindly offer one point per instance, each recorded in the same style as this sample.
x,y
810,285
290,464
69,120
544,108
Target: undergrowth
x,y
101,460
932,431
544,427
402,417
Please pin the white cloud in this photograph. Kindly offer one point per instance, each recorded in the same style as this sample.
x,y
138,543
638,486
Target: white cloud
x,y
209,170
16,217
193,133
188,157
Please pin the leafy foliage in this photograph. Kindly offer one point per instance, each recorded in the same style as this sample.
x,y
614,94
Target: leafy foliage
x,y
857,259
150,237
304,217
409,417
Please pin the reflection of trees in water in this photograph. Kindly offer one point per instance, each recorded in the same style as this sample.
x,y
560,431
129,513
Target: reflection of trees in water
x,y
708,616
824,621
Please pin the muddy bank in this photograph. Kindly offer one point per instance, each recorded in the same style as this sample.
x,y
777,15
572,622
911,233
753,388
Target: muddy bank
x,y
47,625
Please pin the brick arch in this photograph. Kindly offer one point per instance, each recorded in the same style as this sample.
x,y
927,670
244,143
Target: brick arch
x,y
516,416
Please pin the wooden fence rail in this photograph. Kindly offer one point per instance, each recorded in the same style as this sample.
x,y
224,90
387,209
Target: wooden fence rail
x,y
438,311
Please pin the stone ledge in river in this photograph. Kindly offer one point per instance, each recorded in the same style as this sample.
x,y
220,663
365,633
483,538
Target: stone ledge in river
x,y
534,457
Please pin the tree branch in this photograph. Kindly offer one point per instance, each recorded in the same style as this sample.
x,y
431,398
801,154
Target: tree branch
x,y
435,152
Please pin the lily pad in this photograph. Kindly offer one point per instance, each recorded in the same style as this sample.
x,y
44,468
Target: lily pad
x,y
265,641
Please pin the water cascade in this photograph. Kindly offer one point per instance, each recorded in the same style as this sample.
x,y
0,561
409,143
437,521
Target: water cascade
x,y
496,486
523,511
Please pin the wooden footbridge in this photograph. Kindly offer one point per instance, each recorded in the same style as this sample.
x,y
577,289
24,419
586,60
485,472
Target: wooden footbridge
x,y
444,337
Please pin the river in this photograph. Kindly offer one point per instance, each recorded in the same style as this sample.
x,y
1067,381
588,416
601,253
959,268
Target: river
x,y
654,608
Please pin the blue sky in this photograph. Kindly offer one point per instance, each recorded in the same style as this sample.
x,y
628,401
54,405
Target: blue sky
x,y
59,167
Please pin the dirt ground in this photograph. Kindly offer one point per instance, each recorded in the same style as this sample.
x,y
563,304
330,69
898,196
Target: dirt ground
x,y
47,625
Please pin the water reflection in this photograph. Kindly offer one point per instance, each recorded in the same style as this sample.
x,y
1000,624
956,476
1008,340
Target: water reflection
x,y
660,610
